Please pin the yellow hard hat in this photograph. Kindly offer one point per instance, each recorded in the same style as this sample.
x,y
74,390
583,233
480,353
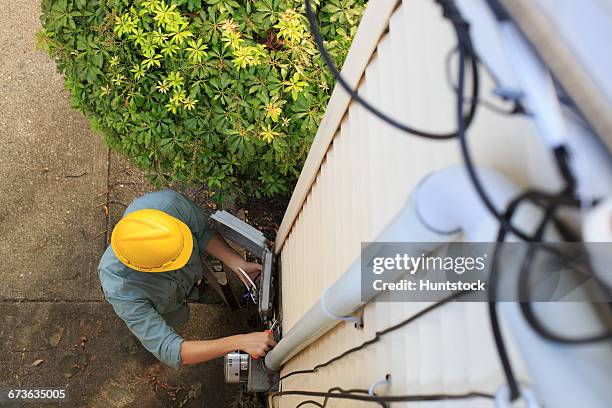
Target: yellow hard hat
x,y
152,241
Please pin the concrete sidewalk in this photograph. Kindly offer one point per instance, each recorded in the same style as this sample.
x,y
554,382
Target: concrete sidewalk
x,y
52,167
56,180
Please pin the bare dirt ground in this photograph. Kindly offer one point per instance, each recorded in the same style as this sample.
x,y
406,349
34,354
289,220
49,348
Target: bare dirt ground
x,y
57,183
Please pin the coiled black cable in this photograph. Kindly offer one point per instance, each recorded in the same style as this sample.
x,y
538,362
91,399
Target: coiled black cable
x,y
534,322
467,56
498,338
550,203
386,398
517,108
331,66
340,390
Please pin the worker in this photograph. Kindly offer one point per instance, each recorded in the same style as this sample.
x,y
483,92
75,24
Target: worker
x,y
153,266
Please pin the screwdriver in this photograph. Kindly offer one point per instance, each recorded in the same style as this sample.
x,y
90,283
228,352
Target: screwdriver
x,y
269,331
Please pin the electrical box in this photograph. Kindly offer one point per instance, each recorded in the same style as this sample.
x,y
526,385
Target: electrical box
x,y
240,368
260,379
266,288
236,366
239,232
253,240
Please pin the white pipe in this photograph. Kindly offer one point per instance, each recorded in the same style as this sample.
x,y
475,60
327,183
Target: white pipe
x,y
442,206
447,201
564,376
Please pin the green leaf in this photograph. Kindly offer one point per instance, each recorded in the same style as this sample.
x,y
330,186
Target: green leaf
x,y
219,92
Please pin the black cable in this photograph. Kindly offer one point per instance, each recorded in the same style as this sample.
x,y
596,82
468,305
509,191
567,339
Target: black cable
x,y
351,391
465,50
498,338
533,321
373,340
525,306
492,305
517,108
386,398
564,198
318,38
466,54
550,204
498,10
340,390
313,402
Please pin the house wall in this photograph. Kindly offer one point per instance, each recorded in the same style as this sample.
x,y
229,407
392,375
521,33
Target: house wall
x,y
358,174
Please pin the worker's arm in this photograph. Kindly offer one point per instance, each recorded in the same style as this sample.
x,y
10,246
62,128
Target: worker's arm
x,y
209,241
220,249
198,351
170,348
149,326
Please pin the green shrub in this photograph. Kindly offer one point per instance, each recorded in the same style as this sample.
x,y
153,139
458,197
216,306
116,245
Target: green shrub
x,y
223,92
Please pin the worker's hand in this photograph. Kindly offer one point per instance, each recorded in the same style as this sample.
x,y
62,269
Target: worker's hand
x,y
256,344
251,268
219,248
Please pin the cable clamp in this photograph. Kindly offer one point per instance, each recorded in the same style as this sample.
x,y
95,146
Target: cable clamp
x,y
502,398
373,387
356,320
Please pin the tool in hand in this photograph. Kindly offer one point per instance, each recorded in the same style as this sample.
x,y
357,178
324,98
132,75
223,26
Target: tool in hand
x,y
269,331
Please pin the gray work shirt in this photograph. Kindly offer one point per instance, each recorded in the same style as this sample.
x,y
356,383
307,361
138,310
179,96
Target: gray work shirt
x,y
152,303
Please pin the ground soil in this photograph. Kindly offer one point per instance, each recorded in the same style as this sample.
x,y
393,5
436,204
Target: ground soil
x,y
265,214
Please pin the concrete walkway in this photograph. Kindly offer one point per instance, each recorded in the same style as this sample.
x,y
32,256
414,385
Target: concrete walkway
x,y
56,178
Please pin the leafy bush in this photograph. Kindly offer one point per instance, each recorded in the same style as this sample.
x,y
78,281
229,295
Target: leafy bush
x,y
223,92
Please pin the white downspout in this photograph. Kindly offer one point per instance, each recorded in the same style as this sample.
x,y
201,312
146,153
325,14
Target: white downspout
x,y
441,207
